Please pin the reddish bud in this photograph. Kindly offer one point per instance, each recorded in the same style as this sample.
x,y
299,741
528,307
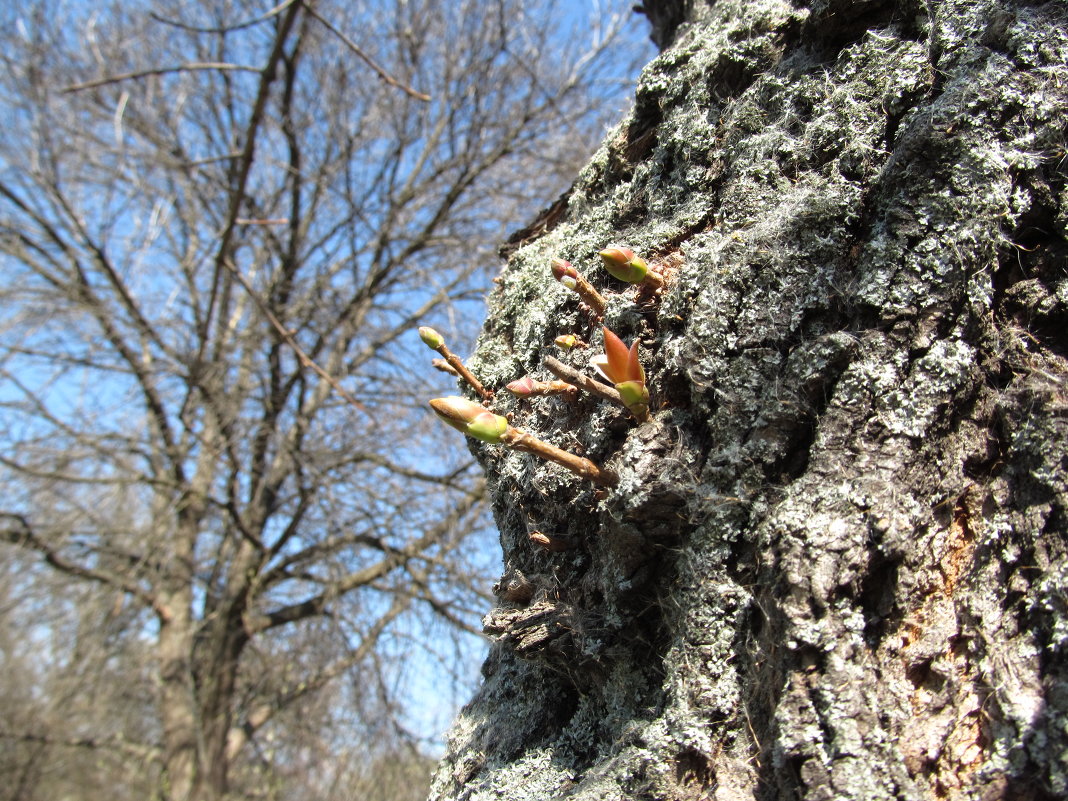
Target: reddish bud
x,y
524,387
620,363
621,366
563,269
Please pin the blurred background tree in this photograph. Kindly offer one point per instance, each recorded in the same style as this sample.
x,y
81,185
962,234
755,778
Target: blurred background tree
x,y
228,554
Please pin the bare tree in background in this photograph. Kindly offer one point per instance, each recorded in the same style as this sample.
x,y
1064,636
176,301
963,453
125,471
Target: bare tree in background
x,y
218,225
76,664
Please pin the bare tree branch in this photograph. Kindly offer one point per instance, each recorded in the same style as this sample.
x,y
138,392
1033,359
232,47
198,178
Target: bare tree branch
x,y
114,743
18,532
287,336
237,26
261,715
359,51
316,604
155,71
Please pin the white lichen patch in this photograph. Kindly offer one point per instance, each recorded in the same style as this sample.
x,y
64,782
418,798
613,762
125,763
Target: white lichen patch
x,y
930,385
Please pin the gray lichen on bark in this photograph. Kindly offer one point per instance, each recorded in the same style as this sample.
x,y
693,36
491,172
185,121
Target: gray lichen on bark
x,y
836,563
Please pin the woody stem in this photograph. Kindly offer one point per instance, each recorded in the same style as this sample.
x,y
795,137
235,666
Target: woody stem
x,y
653,279
554,388
465,374
521,441
582,381
591,296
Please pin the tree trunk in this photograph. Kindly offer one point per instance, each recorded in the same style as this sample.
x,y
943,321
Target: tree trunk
x,y
199,662
835,564
177,707
196,705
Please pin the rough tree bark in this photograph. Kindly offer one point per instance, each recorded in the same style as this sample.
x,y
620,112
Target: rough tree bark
x,y
835,565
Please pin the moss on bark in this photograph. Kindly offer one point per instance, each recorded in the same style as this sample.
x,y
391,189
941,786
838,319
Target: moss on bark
x,y
835,566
